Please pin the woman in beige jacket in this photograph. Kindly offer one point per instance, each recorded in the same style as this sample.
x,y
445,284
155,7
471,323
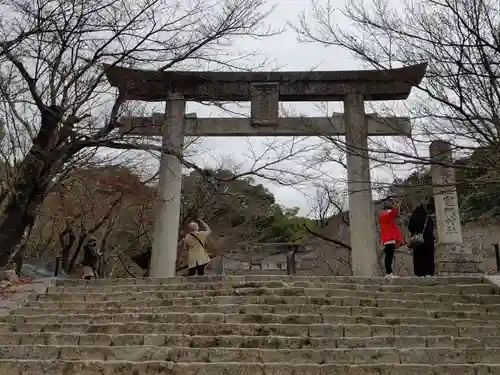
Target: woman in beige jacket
x,y
194,243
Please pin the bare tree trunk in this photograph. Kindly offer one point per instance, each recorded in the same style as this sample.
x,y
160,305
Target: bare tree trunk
x,y
103,261
19,258
103,266
18,214
76,254
66,246
32,181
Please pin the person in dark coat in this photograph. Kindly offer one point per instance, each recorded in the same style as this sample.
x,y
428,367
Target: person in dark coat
x,y
90,261
423,255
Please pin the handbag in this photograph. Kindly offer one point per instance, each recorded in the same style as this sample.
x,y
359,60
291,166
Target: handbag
x,y
418,239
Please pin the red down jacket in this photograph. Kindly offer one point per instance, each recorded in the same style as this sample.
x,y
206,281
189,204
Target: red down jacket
x,y
389,231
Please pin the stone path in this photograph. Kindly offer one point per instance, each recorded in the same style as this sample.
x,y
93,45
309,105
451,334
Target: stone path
x,y
256,325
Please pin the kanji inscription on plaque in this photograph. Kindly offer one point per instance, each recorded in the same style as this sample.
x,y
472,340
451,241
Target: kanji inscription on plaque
x,y
265,104
448,216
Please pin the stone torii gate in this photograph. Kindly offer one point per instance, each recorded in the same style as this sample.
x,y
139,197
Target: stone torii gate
x,y
265,90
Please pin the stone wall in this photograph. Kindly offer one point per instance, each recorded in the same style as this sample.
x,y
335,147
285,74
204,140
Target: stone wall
x,y
484,234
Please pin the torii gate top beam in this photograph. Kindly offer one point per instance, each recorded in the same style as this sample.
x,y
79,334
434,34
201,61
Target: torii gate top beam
x,y
153,86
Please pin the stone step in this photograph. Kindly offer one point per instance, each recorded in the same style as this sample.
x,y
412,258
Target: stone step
x,y
85,367
394,312
217,318
443,289
271,342
449,280
268,300
285,292
251,355
248,329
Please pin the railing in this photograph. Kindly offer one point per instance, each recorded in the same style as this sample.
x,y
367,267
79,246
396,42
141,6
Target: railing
x,y
58,267
290,250
497,256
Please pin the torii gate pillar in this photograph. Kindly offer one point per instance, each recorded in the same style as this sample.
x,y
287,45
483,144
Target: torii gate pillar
x,y
166,227
361,212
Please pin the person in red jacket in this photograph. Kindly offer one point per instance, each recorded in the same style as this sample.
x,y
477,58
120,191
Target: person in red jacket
x,y
390,235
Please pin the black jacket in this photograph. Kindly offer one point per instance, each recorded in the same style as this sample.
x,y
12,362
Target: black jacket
x,y
90,256
418,220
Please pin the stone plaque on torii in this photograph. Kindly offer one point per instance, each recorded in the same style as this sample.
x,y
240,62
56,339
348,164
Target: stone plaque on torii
x,y
265,90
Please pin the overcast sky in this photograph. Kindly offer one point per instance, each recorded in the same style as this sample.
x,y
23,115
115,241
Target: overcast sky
x,y
286,53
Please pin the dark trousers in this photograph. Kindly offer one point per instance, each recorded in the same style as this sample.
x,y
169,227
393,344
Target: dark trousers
x,y
200,269
423,259
389,250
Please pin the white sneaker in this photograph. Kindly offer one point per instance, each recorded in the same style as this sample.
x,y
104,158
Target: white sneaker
x,y
390,276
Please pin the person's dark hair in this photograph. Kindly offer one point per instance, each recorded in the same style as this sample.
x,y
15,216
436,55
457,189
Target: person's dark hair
x,y
388,205
430,207
420,207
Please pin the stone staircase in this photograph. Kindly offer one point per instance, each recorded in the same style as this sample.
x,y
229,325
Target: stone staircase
x,y
256,325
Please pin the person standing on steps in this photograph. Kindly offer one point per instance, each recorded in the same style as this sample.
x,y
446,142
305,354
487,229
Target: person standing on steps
x,y
91,256
390,235
194,243
421,224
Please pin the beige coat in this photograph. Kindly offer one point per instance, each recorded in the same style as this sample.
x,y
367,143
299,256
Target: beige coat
x,y
196,254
